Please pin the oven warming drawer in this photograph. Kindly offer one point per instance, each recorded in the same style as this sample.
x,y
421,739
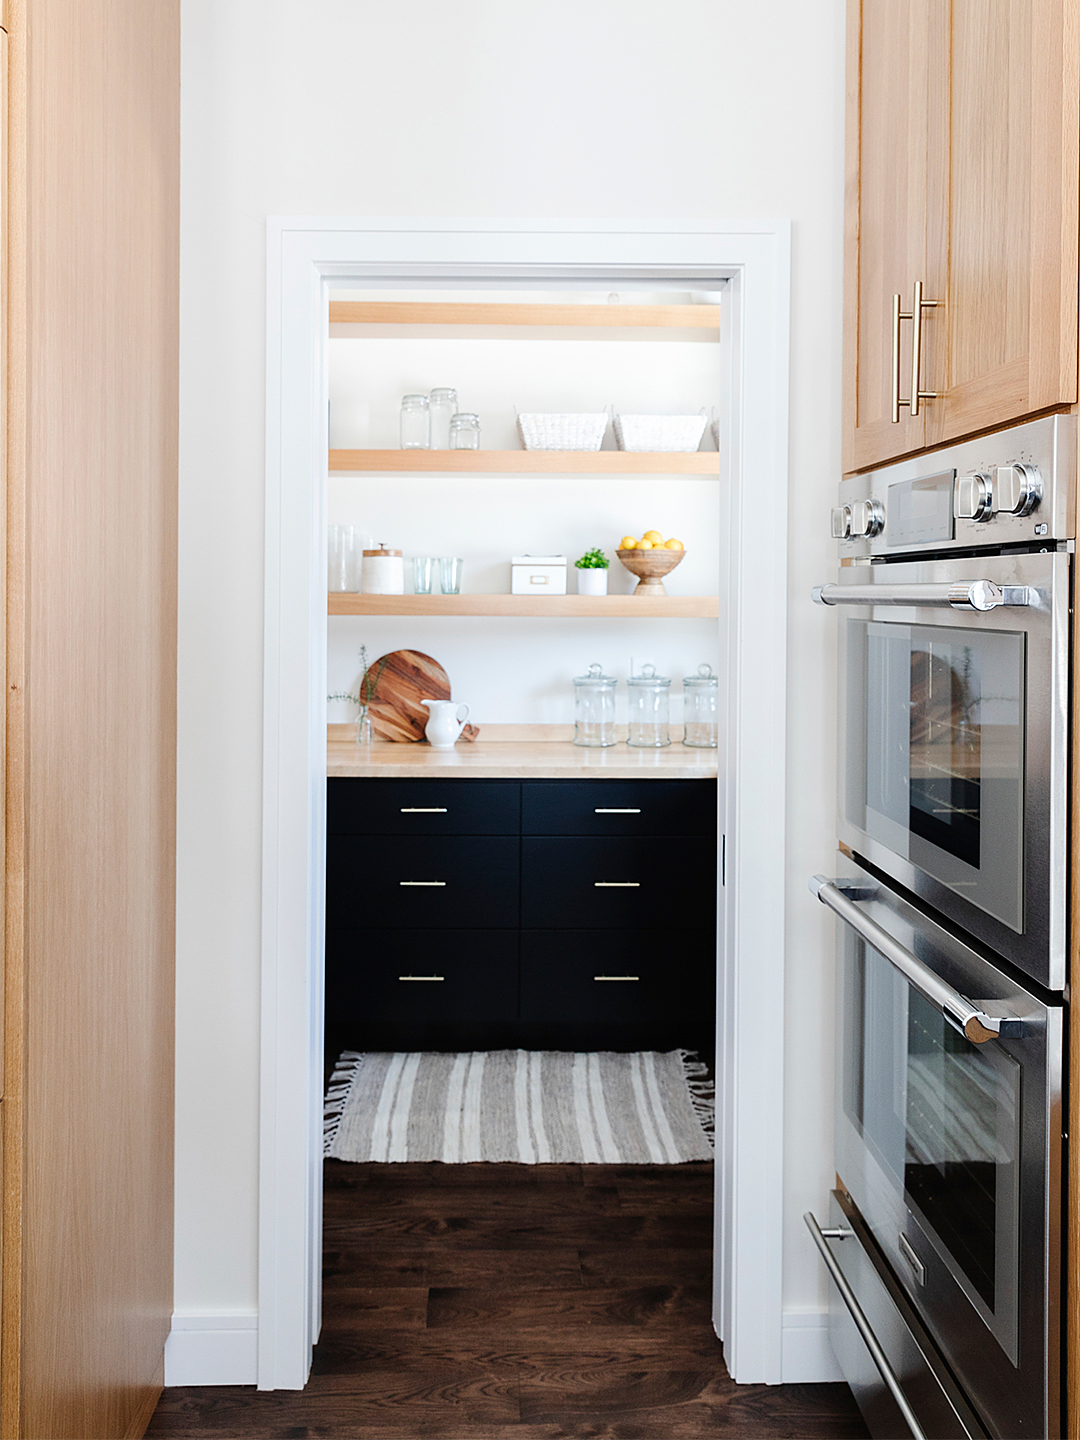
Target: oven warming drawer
x,y
906,1358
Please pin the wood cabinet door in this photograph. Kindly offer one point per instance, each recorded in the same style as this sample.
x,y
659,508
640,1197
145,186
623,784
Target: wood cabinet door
x,y
1013,127
893,66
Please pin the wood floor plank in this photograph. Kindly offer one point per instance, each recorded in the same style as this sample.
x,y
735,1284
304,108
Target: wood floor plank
x,y
510,1302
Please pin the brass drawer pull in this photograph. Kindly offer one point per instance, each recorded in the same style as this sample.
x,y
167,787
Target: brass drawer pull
x,y
617,884
918,305
616,810
440,884
423,809
616,977
421,977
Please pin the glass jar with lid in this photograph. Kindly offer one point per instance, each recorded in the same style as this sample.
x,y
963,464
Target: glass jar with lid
x,y
415,422
442,407
465,431
700,694
594,707
649,709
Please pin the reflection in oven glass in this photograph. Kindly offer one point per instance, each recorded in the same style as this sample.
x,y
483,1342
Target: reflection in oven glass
x,y
960,1120
945,749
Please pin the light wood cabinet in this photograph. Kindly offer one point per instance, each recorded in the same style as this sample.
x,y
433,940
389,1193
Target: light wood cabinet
x,y
963,177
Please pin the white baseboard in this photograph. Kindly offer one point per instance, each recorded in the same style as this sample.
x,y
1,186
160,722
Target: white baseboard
x,y
220,1348
806,1355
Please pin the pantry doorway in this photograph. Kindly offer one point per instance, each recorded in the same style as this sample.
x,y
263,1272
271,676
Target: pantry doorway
x,y
750,264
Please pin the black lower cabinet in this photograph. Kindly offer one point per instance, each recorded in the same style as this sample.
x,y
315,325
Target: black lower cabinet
x,y
451,937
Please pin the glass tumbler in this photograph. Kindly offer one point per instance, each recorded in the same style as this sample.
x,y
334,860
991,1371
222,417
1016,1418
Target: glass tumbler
x,y
450,574
343,572
421,574
594,708
700,695
649,708
415,422
465,431
442,407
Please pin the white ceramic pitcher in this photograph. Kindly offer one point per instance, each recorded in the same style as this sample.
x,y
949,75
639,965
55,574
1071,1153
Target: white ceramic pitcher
x,y
446,720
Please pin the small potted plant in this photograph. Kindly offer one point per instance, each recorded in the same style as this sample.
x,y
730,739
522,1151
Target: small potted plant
x,y
592,571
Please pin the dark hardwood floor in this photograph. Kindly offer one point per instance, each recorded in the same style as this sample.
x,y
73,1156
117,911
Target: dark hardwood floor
x,y
495,1301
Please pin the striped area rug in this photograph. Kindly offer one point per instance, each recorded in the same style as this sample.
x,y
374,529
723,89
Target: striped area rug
x,y
532,1107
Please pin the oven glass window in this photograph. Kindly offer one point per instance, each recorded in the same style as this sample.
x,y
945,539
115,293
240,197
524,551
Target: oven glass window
x,y
936,747
941,1116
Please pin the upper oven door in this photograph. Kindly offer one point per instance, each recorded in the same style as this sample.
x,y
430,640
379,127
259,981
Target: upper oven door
x,y
953,741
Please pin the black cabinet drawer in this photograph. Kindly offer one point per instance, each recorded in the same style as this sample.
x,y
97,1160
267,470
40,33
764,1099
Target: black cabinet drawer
x,y
618,807
571,883
628,978
422,807
421,880
421,977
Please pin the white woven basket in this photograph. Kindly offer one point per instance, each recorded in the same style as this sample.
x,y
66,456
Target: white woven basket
x,y
659,432
562,432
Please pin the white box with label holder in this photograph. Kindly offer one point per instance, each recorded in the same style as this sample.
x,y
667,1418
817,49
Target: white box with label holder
x,y
538,575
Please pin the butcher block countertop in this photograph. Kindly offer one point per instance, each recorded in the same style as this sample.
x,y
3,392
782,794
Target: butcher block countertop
x,y
516,752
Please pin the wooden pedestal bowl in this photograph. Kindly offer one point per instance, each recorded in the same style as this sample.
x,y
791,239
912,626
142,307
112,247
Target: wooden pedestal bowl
x,y
650,566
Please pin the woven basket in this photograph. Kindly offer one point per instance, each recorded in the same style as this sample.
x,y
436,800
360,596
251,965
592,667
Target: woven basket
x,y
562,432
659,432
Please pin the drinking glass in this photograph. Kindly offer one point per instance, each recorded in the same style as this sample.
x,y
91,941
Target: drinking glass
x,y
450,574
421,574
344,558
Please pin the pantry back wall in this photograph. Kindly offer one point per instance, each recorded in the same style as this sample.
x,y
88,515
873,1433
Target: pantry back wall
x,y
547,108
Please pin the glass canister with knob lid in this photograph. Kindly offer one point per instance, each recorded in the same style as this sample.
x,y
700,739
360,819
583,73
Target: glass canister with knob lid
x,y
594,707
649,709
700,694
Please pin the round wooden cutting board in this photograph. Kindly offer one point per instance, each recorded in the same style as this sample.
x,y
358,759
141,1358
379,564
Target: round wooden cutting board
x,y
402,679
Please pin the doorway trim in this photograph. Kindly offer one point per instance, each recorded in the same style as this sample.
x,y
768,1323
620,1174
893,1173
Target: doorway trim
x,y
305,258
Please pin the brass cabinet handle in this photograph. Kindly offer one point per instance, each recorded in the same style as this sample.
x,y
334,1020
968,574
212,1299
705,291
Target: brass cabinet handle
x,y
436,884
616,977
421,977
616,884
616,810
918,305
423,809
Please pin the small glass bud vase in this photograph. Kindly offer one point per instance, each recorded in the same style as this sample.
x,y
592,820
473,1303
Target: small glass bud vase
x,y
364,735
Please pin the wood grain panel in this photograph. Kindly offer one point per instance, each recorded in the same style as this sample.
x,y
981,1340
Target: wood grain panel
x,y
532,462
417,312
91,732
890,64
1011,135
671,607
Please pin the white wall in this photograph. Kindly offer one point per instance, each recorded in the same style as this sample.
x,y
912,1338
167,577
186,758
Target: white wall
x,y
549,108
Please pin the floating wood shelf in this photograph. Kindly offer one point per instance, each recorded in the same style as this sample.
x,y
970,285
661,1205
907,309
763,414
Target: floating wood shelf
x,y
531,462
419,312
550,607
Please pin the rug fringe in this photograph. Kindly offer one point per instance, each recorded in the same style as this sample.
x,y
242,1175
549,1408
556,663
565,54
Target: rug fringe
x,y
702,1092
337,1092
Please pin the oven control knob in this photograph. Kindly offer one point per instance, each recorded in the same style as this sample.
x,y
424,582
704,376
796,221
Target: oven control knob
x,y
1017,489
973,497
841,522
867,519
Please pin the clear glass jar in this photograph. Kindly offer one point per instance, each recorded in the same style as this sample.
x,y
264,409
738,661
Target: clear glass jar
x,y
465,431
649,709
442,407
415,422
700,697
594,707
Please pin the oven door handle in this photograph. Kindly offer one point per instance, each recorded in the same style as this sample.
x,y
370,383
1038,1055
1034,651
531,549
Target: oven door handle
x,y
975,1023
862,1324
980,595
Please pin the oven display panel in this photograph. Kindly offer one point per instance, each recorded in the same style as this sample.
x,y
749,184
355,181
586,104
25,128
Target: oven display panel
x,y
920,512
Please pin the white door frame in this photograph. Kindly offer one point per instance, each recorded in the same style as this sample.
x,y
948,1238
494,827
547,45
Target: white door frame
x,y
305,258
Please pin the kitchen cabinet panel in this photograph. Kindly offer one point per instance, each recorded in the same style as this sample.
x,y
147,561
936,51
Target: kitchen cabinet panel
x,y
420,881
618,807
963,177
423,807
571,883
422,977
621,977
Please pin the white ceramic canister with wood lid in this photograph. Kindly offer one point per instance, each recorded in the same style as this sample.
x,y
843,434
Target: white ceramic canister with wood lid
x,y
383,573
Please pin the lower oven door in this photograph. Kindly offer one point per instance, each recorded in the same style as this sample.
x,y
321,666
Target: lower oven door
x,y
953,741
949,1146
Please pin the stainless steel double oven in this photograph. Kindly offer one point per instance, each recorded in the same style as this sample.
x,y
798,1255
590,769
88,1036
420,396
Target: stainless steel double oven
x,y
953,601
